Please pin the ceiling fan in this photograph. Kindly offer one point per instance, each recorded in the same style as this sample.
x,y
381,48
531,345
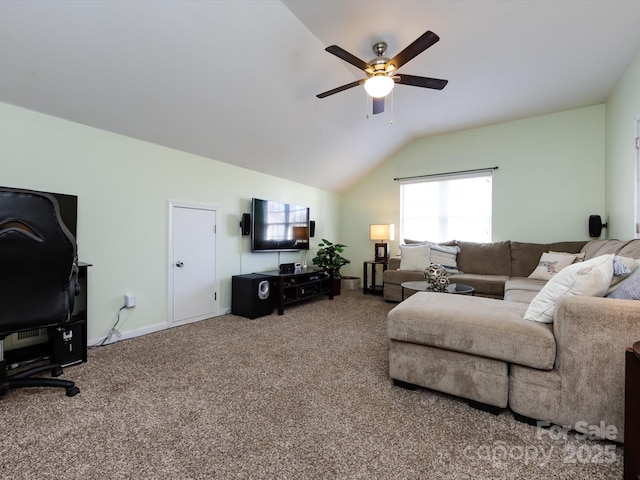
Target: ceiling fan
x,y
382,72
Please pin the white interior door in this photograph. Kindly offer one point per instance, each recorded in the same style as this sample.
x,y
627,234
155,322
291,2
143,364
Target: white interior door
x,y
193,286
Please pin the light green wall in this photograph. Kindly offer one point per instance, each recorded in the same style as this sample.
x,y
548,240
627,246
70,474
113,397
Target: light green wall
x,y
623,106
550,178
123,186
552,165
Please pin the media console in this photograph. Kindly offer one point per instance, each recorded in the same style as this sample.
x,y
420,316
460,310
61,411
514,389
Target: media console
x,y
299,285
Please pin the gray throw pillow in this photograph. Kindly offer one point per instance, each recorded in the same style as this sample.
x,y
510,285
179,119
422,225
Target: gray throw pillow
x,y
629,289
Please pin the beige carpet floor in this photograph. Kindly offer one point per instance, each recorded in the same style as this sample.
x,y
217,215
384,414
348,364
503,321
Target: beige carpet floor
x,y
305,395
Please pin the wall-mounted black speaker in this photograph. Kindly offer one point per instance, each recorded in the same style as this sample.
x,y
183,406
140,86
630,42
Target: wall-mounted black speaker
x,y
312,228
245,224
596,226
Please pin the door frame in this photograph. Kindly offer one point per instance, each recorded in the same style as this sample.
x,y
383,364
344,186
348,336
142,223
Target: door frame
x,y
171,204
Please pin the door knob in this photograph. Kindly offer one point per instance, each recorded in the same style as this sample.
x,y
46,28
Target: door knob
x,y
179,264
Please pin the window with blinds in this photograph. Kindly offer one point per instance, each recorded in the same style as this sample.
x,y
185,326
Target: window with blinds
x,y
446,207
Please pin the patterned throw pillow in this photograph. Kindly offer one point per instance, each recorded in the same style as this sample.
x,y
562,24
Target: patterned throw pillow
x,y
550,264
445,256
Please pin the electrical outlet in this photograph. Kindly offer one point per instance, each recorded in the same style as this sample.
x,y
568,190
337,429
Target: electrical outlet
x,y
129,301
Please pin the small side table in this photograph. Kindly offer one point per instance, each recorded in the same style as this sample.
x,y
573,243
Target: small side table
x,y
372,287
631,415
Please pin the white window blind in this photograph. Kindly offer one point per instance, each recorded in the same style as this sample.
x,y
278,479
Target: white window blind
x,y
446,207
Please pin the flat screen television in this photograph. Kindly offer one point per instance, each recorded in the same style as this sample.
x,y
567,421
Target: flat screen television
x,y
278,227
68,207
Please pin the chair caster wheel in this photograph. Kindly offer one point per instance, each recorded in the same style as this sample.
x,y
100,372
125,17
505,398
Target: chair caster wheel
x,y
72,391
56,372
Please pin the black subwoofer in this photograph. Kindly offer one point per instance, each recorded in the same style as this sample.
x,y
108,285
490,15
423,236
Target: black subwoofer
x,y
251,295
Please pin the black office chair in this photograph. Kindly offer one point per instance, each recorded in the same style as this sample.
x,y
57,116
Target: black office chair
x,y
38,277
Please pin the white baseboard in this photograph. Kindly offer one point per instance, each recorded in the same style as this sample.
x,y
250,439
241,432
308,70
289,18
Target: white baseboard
x,y
127,334
138,332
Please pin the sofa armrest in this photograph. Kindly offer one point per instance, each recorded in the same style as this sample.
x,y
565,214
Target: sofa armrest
x,y
394,263
603,327
592,335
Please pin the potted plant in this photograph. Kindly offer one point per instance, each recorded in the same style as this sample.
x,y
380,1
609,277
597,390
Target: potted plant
x,y
329,258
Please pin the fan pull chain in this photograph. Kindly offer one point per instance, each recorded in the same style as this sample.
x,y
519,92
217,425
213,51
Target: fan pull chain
x,y
392,104
366,105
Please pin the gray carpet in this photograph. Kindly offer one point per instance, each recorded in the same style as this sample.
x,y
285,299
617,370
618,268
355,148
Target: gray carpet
x,y
303,395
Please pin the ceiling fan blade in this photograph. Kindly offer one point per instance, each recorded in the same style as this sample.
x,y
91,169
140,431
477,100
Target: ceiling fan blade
x,y
349,58
378,105
417,47
425,82
340,89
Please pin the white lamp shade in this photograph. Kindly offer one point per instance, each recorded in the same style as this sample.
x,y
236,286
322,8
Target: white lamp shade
x,y
382,231
379,86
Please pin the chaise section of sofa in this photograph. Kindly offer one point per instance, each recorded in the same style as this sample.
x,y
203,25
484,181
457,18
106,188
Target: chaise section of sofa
x,y
472,339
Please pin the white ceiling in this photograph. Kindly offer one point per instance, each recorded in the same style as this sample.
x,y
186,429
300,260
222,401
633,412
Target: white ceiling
x,y
236,81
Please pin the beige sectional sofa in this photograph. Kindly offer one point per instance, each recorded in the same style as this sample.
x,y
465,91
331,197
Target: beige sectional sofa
x,y
569,372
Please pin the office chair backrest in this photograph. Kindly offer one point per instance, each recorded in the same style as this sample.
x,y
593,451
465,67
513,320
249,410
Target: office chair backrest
x,y
38,264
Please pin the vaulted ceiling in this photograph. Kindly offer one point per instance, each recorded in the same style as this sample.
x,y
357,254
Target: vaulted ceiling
x,y
236,81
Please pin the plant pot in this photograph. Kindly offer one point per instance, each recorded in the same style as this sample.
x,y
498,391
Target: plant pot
x,y
335,286
350,283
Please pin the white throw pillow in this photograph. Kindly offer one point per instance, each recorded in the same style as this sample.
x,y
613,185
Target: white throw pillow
x,y
590,278
414,257
550,264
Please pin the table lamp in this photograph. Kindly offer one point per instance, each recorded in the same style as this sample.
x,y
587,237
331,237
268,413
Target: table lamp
x,y
300,234
381,232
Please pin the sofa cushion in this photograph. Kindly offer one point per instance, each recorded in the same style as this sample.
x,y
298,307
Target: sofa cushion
x,y
631,249
596,248
394,263
398,276
525,256
485,258
589,278
520,296
524,283
473,325
522,289
485,285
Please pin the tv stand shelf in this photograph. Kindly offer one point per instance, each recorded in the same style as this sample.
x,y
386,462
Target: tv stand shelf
x,y
292,287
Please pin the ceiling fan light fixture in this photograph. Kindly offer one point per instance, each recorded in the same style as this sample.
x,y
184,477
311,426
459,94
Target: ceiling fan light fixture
x,y
379,86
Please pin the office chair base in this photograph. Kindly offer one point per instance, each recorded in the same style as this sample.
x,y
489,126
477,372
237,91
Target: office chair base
x,y
24,379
